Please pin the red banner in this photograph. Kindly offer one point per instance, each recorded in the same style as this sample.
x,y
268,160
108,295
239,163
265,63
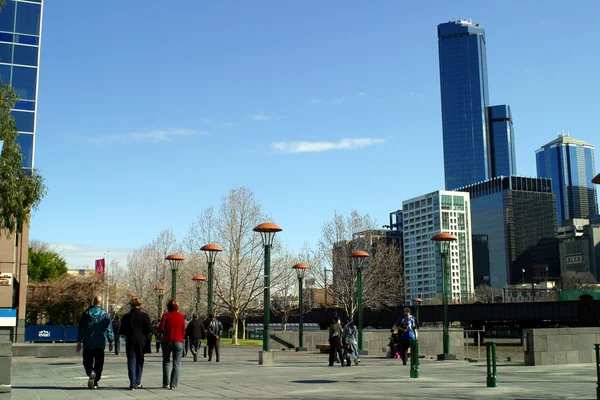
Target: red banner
x,y
100,266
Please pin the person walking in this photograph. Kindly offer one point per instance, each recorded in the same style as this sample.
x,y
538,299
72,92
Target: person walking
x,y
116,327
194,333
173,327
350,334
94,331
137,329
186,346
213,336
157,334
335,341
407,331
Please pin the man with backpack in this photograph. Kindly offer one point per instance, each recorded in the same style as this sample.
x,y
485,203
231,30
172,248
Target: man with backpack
x,y
335,341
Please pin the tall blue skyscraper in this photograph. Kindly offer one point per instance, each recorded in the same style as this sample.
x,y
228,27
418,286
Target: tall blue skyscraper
x,y
478,140
570,164
20,32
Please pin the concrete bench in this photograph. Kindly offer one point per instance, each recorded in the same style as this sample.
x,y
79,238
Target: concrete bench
x,y
323,347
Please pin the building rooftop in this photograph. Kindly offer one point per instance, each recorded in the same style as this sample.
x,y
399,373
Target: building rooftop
x,y
566,140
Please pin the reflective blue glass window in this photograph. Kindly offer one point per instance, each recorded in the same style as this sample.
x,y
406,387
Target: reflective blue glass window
x,y
25,105
23,120
24,81
6,37
5,73
28,18
26,55
7,17
24,39
25,140
6,53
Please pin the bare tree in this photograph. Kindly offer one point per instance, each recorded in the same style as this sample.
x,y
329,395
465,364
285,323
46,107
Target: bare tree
x,y
577,280
485,294
382,273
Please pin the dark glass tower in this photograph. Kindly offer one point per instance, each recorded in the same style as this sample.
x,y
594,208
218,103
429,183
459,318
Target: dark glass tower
x,y
478,140
570,164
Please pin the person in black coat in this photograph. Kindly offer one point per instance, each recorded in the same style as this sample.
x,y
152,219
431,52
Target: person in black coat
x,y
213,336
116,325
195,332
137,329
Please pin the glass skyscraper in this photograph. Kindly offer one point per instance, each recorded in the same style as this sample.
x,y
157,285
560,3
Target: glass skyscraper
x,y
20,33
570,164
478,140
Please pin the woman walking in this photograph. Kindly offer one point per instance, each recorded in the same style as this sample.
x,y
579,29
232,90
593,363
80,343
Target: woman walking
x,y
137,329
173,326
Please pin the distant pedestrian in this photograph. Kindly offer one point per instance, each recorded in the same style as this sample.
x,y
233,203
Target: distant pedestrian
x,y
187,340
173,326
158,334
94,331
213,336
116,326
335,341
194,333
350,334
407,328
137,329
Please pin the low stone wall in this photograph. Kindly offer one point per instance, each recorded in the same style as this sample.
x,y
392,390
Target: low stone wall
x,y
44,350
5,370
556,346
375,341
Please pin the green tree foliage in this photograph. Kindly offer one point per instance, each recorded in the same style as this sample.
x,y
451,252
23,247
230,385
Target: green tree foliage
x,y
19,190
45,264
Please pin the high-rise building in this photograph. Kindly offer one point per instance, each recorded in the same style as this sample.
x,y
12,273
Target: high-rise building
x,y
579,245
519,218
20,34
424,217
478,139
570,164
20,29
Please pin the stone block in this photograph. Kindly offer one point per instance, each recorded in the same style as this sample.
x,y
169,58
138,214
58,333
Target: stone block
x,y
572,331
540,343
547,358
5,370
572,357
553,343
5,349
560,358
584,342
587,356
266,358
565,342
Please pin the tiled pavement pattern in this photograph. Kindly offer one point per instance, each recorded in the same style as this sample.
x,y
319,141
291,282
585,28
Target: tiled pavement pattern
x,y
302,376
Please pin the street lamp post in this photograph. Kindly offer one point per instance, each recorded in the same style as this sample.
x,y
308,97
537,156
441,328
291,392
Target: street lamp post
x,y
267,232
300,272
358,257
174,262
198,279
444,240
160,290
417,300
211,251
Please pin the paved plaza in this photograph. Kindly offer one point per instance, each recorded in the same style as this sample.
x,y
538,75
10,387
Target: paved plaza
x,y
302,376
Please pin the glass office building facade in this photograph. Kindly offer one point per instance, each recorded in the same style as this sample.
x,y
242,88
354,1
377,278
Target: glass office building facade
x,y
20,34
570,164
518,216
478,139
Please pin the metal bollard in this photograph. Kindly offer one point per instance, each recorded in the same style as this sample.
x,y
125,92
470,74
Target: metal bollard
x,y
414,358
492,376
597,347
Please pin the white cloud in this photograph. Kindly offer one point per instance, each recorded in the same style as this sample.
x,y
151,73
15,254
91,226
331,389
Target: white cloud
x,y
314,147
334,100
83,256
361,94
212,122
158,135
261,116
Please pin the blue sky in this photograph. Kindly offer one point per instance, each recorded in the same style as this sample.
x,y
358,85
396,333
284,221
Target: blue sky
x,y
150,111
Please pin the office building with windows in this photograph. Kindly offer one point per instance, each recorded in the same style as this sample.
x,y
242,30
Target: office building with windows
x,y
518,216
478,139
570,164
424,217
20,34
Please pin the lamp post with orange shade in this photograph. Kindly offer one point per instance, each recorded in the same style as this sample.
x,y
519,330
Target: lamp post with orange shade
x,y
174,262
198,279
358,257
160,290
267,232
211,250
444,240
300,272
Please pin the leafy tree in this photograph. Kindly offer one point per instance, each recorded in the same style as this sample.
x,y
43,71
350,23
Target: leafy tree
x,y
19,190
44,264
577,280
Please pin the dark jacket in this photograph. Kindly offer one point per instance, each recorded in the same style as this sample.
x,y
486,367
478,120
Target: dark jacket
x,y
195,330
116,325
335,331
136,326
95,328
214,329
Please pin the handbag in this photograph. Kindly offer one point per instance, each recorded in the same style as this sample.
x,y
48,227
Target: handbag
x,y
160,335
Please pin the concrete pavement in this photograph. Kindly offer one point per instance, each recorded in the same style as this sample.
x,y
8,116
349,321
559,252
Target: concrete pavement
x,y
302,376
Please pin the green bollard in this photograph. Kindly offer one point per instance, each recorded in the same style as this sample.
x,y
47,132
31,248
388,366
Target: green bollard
x,y
414,358
597,347
492,377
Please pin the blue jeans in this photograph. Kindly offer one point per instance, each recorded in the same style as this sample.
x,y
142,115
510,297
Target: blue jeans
x,y
177,349
135,367
117,344
354,348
